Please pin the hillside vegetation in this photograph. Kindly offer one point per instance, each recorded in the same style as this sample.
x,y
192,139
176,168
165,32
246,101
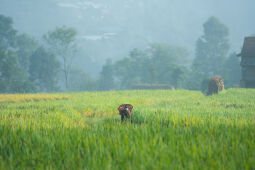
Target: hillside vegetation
x,y
170,130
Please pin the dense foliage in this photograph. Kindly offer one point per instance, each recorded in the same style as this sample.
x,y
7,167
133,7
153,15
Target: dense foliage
x,y
29,65
159,64
166,64
170,130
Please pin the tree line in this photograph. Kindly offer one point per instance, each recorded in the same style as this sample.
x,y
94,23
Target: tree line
x,y
167,64
27,65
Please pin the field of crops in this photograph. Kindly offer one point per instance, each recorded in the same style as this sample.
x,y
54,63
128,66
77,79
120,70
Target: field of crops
x,y
170,130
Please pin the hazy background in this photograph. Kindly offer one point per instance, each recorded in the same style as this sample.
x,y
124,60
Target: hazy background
x,y
111,28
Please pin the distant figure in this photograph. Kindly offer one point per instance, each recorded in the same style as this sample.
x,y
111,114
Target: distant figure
x,y
215,85
125,111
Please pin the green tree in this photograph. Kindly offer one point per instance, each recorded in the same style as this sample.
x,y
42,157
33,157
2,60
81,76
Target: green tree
x,y
81,81
15,52
211,50
134,69
212,47
44,69
178,77
159,64
106,80
168,61
12,78
25,47
232,71
62,43
7,33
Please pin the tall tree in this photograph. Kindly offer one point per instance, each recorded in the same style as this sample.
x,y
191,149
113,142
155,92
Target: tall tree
x,y
62,43
211,50
212,47
178,76
12,78
25,47
168,61
106,81
133,69
44,69
232,71
81,81
7,33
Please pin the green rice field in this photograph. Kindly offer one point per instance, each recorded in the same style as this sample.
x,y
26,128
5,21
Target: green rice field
x,y
170,130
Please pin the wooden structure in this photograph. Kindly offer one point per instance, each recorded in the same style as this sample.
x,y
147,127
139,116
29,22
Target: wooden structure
x,y
248,63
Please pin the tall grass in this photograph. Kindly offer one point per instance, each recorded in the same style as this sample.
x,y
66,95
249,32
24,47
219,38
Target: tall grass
x,y
170,130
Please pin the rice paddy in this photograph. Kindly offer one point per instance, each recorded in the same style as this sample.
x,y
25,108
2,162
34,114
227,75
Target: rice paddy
x,y
170,130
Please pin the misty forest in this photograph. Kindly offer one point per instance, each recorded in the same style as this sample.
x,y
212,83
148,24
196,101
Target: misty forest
x,y
58,45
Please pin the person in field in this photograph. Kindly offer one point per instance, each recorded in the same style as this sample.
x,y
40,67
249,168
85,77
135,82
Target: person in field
x,y
125,111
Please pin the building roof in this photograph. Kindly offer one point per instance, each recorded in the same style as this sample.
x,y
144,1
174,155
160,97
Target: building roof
x,y
248,47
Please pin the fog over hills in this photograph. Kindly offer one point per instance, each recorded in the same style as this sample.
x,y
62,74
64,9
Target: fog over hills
x,y
110,29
